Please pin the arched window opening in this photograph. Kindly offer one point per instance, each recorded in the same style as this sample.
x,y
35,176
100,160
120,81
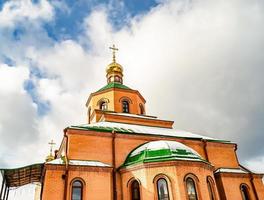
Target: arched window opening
x,y
210,189
162,188
142,111
125,106
191,190
135,193
117,79
103,106
111,79
245,193
77,190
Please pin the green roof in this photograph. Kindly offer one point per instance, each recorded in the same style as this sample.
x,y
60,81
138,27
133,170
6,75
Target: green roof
x,y
159,151
143,130
114,85
103,129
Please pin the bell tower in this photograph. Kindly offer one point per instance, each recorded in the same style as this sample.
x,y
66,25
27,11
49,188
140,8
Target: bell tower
x,y
115,97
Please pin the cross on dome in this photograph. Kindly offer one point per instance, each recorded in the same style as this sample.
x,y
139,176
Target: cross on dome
x,y
114,71
114,49
52,144
50,157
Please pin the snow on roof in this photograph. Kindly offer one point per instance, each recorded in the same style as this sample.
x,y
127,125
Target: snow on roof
x,y
140,129
231,170
92,163
160,151
162,144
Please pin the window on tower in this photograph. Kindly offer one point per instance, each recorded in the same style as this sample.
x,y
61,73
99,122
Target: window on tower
x,y
117,79
103,106
125,106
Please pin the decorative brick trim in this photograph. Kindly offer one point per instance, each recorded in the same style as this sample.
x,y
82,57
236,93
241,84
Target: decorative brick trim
x,y
78,168
167,164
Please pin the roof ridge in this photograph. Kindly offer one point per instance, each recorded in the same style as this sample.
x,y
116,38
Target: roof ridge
x,y
114,85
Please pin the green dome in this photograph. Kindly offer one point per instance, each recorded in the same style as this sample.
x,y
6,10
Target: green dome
x,y
158,151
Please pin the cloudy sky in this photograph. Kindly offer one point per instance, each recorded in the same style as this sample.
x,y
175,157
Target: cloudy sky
x,y
197,62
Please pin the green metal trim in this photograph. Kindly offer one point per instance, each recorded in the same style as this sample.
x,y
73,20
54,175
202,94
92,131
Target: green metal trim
x,y
129,131
102,129
161,155
114,85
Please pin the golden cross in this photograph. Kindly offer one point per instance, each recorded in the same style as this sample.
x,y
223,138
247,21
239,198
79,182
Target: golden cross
x,y
51,143
114,50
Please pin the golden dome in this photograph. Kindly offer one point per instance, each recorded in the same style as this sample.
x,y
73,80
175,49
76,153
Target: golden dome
x,y
114,67
114,71
49,158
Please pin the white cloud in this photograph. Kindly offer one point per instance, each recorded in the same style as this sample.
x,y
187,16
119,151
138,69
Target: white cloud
x,y
20,11
19,115
67,61
197,65
256,164
12,79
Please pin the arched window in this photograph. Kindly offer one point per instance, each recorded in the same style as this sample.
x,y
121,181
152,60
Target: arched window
x,y
191,190
142,111
103,105
210,189
77,190
135,193
244,192
162,188
125,106
117,79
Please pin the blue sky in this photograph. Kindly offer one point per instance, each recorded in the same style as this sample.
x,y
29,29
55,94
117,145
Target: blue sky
x,y
67,25
68,19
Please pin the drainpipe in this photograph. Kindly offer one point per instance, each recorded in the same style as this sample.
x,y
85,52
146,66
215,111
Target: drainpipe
x,y
205,149
114,166
65,176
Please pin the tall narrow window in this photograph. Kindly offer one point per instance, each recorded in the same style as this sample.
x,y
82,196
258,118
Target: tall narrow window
x,y
103,106
191,190
77,190
210,189
125,106
163,192
244,191
135,193
142,111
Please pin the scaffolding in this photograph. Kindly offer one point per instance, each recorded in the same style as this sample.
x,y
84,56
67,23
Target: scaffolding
x,y
13,178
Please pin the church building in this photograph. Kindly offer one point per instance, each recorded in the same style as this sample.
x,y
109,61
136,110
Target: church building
x,y
122,153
